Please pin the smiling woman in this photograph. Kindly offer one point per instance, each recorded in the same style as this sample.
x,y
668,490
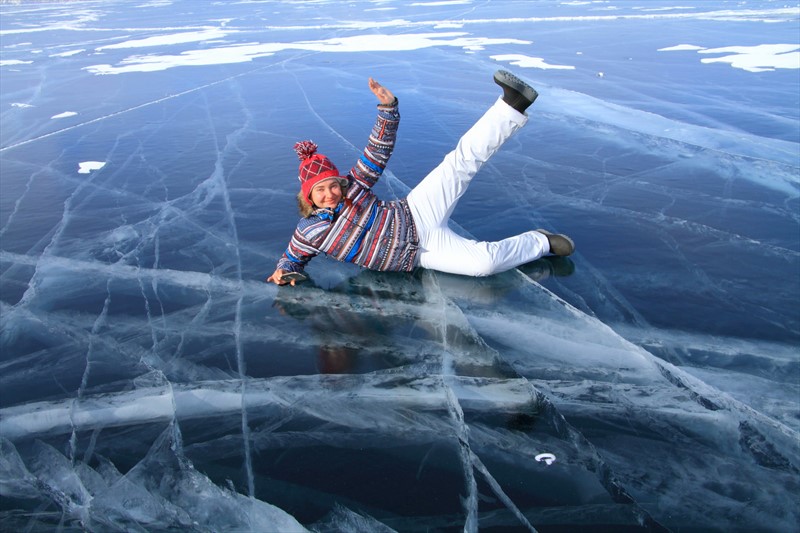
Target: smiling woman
x,y
327,194
401,235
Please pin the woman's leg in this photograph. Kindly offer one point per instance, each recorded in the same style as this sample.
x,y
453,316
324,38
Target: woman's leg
x,y
433,200
447,251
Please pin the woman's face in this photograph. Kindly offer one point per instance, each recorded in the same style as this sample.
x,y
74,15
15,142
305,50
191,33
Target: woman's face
x,y
327,193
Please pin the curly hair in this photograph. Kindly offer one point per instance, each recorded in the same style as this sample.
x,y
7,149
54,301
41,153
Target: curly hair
x,y
305,209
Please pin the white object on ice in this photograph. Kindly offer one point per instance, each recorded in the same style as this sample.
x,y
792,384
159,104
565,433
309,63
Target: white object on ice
x,y
65,114
88,166
546,458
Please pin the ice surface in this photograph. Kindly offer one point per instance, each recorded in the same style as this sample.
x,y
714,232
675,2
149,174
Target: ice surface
x,y
150,380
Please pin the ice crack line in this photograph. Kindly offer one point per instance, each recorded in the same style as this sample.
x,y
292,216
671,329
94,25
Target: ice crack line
x,y
469,459
181,278
218,178
462,433
99,323
133,108
11,218
152,102
31,292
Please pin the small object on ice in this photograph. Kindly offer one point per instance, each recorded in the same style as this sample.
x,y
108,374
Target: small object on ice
x,y
547,458
88,166
294,276
65,114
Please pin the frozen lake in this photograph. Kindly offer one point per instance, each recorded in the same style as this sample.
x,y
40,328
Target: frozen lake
x,y
150,380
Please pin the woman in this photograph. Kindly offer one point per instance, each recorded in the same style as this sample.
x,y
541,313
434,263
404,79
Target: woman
x,y
343,218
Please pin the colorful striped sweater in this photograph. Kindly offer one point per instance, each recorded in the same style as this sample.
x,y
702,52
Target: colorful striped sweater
x,y
362,229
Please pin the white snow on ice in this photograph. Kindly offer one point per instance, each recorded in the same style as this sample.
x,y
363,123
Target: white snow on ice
x,y
170,39
681,47
758,58
8,62
248,52
524,61
69,53
88,166
65,114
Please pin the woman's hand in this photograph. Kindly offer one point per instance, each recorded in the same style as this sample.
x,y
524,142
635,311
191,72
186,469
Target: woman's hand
x,y
383,94
276,278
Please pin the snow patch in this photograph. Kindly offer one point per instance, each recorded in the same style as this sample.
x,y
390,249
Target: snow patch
x,y
69,53
88,166
441,3
681,47
524,61
169,39
758,58
247,52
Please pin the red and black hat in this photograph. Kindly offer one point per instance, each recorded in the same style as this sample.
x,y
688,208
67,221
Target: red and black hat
x,y
314,168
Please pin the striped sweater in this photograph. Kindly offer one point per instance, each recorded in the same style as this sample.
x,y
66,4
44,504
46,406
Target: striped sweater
x,y
362,229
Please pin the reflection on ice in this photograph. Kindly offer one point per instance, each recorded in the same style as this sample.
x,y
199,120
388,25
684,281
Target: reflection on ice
x,y
454,394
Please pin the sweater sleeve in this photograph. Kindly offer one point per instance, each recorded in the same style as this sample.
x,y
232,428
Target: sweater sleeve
x,y
373,160
302,247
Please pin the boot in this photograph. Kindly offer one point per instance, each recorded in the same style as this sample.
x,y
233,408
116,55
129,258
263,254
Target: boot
x,y
516,92
560,245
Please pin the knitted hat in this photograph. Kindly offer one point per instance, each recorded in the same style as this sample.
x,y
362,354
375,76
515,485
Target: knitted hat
x,y
314,168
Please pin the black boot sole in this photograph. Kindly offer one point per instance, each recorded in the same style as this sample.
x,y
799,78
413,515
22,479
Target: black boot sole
x,y
504,79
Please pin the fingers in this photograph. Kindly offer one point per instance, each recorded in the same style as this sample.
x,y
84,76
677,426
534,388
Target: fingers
x,y
383,94
276,277
375,87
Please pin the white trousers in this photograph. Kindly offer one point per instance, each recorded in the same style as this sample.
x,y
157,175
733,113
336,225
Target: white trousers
x,y
434,199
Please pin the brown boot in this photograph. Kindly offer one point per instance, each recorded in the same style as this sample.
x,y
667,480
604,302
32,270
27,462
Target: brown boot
x,y
560,244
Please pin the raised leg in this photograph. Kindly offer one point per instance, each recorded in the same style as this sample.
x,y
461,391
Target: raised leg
x,y
433,200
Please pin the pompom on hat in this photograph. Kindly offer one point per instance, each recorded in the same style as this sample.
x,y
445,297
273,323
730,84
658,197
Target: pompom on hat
x,y
314,168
